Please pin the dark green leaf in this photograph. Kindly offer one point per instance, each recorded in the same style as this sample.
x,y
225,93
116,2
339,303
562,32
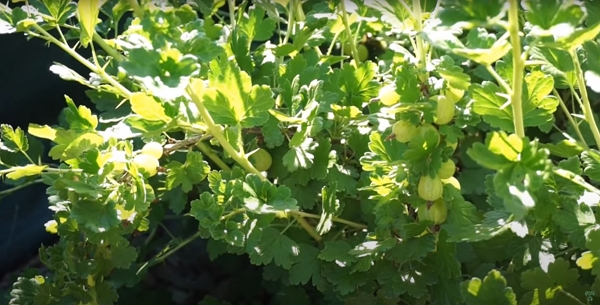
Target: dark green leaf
x,y
493,290
274,246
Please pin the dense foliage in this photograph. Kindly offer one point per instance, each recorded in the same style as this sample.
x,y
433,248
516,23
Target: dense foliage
x,y
364,152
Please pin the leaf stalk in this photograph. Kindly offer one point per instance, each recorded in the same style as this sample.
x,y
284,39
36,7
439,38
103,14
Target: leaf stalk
x,y
516,97
124,91
587,108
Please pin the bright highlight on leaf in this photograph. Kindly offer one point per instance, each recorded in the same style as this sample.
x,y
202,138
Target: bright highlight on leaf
x,y
148,108
26,171
87,11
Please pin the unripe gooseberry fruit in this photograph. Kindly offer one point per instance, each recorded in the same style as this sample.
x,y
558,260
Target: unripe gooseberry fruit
x,y
261,160
437,212
147,164
428,131
454,94
404,131
430,189
153,149
348,48
447,170
452,181
452,145
363,52
388,95
444,111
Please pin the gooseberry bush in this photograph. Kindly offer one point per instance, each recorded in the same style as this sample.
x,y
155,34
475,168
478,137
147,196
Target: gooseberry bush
x,y
363,152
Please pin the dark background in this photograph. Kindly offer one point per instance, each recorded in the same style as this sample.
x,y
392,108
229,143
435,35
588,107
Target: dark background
x,y
30,93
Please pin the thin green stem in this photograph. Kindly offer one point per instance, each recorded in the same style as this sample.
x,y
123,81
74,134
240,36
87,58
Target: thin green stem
x,y
413,44
575,179
338,233
563,252
171,252
576,97
340,220
27,157
96,38
421,52
499,79
587,108
167,230
231,5
308,228
18,187
232,213
299,12
124,91
108,49
208,152
572,297
61,35
353,48
62,170
217,132
570,118
289,225
290,22
357,30
151,235
318,51
518,67
95,57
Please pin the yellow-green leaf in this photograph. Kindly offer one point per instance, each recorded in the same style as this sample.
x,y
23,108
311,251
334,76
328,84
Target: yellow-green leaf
x,y
576,38
26,171
51,226
486,56
87,11
73,144
509,146
148,108
40,279
44,132
13,140
284,118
